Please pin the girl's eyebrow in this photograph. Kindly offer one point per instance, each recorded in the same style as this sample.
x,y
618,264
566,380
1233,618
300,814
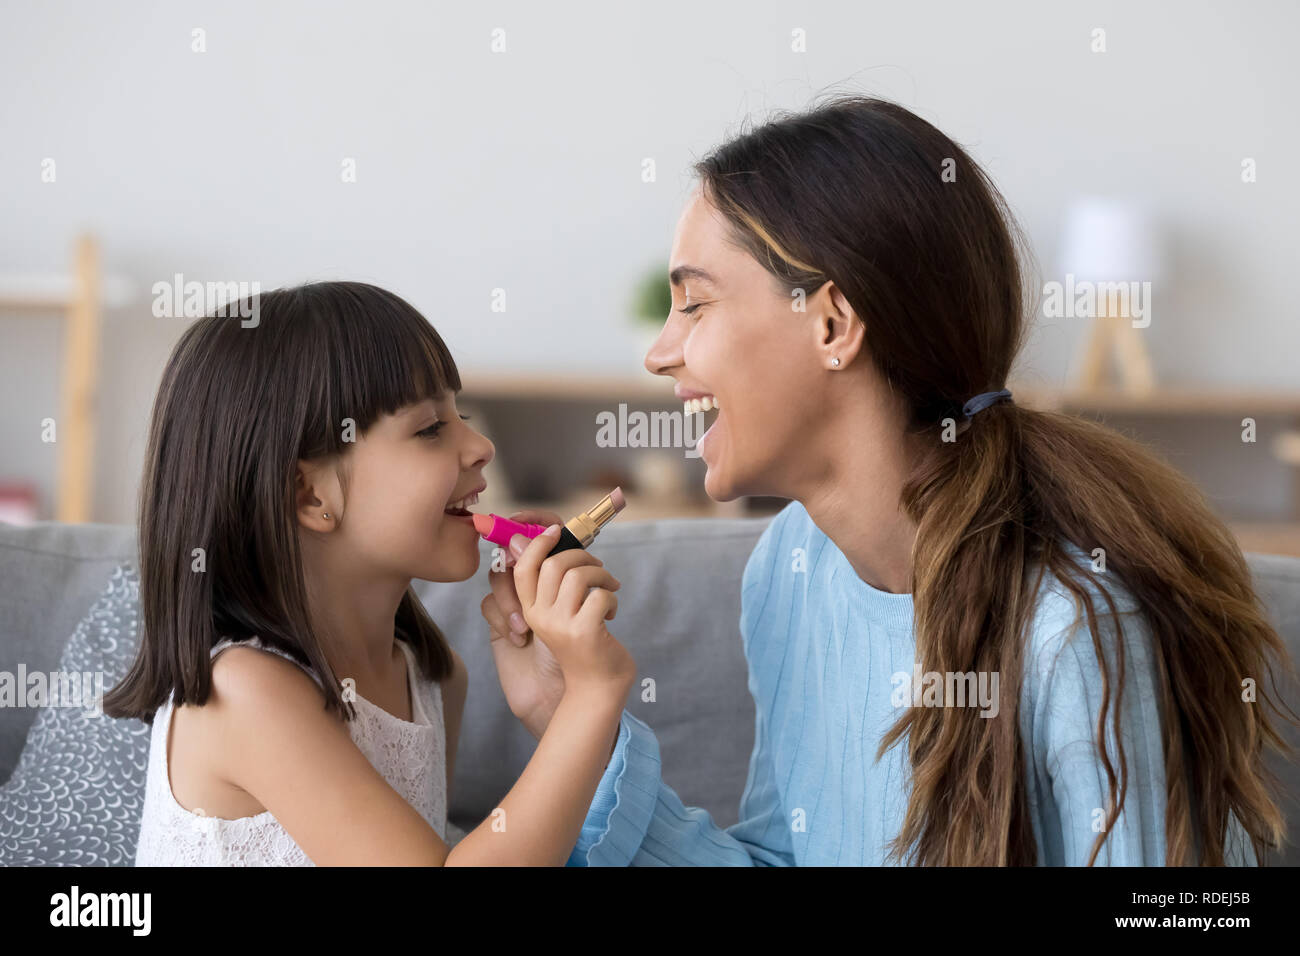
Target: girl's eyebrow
x,y
419,405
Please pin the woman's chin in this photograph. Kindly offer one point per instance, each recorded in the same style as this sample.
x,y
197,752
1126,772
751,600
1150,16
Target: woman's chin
x,y
717,484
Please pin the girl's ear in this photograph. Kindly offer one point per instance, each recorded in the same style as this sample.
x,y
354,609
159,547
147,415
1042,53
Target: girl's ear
x,y
316,497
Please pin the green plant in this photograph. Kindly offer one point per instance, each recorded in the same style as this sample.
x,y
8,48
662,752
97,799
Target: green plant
x,y
653,298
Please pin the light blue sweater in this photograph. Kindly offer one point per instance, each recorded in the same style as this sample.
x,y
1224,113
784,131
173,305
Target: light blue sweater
x,y
830,664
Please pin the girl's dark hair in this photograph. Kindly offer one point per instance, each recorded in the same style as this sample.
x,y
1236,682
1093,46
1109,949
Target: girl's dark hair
x,y
237,408
864,193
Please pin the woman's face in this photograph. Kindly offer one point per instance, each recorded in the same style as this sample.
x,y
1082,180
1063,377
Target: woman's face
x,y
405,471
748,347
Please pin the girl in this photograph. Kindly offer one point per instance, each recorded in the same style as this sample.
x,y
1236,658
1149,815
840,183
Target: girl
x,y
846,282
300,472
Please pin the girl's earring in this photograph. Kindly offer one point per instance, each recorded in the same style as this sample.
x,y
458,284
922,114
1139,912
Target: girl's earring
x,y
835,362
327,514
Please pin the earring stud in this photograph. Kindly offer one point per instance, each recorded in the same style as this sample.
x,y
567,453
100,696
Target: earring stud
x,y
835,362
327,514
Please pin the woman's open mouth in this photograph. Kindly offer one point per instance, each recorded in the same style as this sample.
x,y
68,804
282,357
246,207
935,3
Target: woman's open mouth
x,y
703,404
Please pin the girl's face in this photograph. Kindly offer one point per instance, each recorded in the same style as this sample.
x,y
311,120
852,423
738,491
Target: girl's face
x,y
746,346
406,470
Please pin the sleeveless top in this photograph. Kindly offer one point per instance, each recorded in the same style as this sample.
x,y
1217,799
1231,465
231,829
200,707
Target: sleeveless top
x,y
411,756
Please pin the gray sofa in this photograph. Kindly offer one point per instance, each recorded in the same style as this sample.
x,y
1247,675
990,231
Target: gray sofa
x,y
678,614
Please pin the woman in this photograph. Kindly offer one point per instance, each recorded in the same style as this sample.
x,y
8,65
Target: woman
x,y
846,283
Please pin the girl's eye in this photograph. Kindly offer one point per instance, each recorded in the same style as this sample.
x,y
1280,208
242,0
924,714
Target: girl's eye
x,y
690,308
435,428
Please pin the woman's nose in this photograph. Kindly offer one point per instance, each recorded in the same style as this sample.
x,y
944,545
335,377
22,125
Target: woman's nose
x,y
666,351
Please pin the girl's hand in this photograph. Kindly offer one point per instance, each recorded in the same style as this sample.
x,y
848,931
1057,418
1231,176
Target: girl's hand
x,y
531,676
566,600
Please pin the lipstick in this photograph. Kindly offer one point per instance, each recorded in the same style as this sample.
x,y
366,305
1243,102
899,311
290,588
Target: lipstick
x,y
578,532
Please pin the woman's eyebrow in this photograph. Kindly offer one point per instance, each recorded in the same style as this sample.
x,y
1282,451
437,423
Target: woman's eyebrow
x,y
691,272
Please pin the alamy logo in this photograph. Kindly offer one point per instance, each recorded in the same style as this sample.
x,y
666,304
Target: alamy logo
x,y
1084,299
194,300
102,909
55,689
947,689
649,430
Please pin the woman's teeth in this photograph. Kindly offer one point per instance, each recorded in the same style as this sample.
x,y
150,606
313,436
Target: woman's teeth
x,y
693,405
463,503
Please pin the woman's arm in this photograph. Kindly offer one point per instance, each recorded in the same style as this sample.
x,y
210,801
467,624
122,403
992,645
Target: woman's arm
x,y
638,820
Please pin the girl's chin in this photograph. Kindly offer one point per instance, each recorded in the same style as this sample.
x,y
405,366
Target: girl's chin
x,y
448,572
458,547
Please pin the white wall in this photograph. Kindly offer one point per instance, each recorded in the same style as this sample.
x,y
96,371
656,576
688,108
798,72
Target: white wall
x,y
522,170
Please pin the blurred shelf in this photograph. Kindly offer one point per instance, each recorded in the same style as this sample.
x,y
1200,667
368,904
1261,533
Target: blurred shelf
x,y
1271,537
575,387
1168,400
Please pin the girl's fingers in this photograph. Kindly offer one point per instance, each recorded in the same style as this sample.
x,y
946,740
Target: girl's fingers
x,y
497,624
600,605
528,564
507,598
577,582
554,570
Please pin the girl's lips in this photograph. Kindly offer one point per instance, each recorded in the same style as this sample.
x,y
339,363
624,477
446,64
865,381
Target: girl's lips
x,y
465,502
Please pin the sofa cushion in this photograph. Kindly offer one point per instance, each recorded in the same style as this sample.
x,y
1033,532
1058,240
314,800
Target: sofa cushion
x,y
76,795
51,572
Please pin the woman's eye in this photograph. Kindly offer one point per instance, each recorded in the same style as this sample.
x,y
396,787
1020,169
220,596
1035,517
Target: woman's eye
x,y
690,308
433,429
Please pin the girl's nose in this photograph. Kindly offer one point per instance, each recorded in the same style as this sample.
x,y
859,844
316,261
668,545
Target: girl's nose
x,y
480,451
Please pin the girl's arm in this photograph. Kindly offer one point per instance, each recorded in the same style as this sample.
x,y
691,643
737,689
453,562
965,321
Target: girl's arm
x,y
539,820
454,690
282,747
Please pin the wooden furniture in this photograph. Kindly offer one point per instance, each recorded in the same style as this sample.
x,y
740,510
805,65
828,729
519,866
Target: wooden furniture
x,y
76,299
1115,335
1184,403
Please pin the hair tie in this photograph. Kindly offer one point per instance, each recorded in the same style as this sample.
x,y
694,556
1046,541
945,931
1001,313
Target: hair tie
x,y
984,400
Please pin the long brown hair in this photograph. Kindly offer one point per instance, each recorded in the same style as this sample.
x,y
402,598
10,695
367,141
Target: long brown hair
x,y
237,408
862,192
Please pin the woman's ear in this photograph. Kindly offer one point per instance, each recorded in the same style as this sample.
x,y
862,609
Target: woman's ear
x,y
840,332
316,497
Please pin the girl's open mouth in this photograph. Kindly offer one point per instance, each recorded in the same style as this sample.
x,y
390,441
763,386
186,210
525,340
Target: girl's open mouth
x,y
460,507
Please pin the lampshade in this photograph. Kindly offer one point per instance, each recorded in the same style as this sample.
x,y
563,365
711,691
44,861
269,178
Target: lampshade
x,y
1110,240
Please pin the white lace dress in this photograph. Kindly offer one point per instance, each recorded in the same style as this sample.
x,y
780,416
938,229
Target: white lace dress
x,y
410,755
